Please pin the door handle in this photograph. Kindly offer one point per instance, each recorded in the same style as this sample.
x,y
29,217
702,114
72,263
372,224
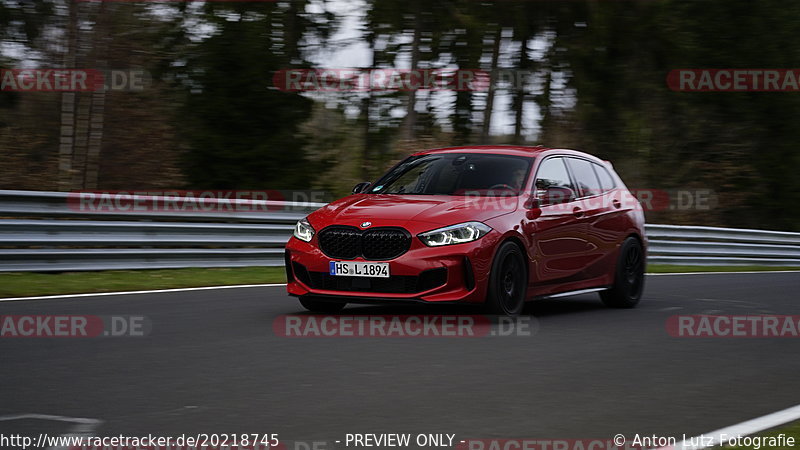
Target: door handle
x,y
616,203
577,212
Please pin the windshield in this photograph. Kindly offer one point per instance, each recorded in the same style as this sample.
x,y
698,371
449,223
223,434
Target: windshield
x,y
456,174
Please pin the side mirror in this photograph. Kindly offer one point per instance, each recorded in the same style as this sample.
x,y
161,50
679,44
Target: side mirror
x,y
361,187
551,196
532,202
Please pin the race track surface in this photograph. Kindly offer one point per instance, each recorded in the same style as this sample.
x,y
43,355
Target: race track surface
x,y
212,363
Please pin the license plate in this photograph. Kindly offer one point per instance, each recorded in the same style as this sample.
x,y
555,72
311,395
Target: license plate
x,y
359,269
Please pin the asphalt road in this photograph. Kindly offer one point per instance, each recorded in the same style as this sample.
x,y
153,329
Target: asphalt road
x,y
212,363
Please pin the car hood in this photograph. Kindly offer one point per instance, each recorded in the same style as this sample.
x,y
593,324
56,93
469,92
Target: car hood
x,y
406,210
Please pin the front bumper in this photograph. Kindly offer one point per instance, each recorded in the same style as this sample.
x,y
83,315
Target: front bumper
x,y
454,273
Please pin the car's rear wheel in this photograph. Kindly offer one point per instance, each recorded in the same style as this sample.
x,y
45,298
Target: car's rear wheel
x,y
628,277
321,306
508,281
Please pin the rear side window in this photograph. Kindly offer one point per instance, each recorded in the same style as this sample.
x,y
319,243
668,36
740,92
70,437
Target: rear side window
x,y
587,181
606,180
553,173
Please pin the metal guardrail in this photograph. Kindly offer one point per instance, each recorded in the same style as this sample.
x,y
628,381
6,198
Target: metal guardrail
x,y
44,231
65,205
712,246
52,231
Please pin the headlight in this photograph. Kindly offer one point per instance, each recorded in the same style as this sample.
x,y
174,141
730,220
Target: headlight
x,y
303,231
455,234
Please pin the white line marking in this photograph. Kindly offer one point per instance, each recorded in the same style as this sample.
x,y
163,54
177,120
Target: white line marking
x,y
81,426
725,273
571,293
156,291
240,286
744,429
49,417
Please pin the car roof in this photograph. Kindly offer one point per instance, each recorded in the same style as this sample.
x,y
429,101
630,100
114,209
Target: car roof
x,y
488,149
514,150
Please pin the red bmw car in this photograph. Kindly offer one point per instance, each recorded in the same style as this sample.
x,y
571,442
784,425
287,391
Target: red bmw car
x,y
493,225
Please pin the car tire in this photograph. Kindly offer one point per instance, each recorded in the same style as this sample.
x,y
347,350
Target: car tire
x,y
628,276
508,281
320,306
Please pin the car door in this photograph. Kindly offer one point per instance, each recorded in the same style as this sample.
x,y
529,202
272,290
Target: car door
x,y
558,236
599,207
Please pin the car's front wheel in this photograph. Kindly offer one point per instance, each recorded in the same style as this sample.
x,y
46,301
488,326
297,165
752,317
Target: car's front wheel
x,y
508,281
321,306
628,277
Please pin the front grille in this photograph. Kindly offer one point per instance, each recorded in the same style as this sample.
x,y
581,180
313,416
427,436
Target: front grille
x,y
376,244
384,243
341,242
395,284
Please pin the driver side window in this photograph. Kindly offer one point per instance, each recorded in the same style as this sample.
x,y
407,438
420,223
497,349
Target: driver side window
x,y
553,173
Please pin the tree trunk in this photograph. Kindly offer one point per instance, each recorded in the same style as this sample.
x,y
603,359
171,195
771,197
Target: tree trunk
x,y
81,141
518,105
68,100
411,115
487,112
95,140
98,101
366,171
